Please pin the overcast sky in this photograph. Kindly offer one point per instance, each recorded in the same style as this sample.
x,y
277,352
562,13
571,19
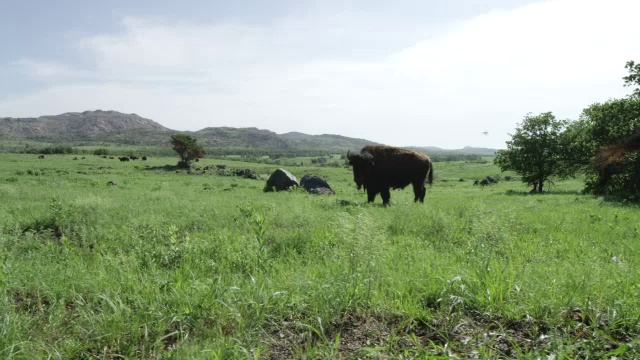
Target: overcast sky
x,y
447,73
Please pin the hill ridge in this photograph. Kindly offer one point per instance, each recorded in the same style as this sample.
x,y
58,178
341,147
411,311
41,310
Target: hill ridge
x,y
93,127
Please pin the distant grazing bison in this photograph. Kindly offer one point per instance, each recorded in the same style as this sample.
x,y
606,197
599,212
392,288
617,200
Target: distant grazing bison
x,y
377,169
144,158
123,158
40,156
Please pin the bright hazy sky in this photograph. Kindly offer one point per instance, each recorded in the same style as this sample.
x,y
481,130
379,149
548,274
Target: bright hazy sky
x,y
447,73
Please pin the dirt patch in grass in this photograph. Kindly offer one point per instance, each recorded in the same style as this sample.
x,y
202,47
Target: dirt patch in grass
x,y
31,302
473,335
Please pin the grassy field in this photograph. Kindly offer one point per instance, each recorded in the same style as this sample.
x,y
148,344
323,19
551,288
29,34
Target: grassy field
x,y
168,264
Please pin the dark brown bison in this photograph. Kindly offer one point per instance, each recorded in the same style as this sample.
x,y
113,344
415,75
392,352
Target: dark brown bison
x,y
377,169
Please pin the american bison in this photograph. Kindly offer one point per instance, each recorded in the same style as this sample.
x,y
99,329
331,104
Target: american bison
x,y
40,156
144,158
123,158
379,168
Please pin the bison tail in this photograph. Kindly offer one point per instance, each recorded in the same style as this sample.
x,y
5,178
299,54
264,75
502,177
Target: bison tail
x,y
430,172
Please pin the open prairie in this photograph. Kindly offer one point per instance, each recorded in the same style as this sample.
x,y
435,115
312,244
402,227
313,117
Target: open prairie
x,y
167,264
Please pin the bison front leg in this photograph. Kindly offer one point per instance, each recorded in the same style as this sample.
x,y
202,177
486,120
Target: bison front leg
x,y
371,194
386,196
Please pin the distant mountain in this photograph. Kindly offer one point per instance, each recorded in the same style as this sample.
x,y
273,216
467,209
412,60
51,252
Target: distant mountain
x,y
112,127
88,126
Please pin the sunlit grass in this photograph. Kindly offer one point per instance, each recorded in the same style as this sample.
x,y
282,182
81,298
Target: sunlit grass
x,y
205,265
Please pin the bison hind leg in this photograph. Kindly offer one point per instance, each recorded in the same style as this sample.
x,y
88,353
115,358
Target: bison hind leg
x,y
386,196
419,190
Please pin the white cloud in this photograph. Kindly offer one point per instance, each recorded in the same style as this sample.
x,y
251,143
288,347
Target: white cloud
x,y
43,71
297,74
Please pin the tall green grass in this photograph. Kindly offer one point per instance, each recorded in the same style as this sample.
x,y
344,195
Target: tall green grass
x,y
171,264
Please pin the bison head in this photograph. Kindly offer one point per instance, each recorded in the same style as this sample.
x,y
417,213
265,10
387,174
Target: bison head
x,y
362,164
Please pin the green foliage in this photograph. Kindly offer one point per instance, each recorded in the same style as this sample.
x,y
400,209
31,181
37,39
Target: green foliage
x,y
536,150
101,152
187,149
606,137
59,149
633,79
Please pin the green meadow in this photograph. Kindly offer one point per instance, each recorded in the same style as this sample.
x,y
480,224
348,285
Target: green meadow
x,y
204,265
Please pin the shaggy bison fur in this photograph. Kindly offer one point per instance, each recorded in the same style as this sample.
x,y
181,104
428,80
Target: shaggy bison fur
x,y
377,169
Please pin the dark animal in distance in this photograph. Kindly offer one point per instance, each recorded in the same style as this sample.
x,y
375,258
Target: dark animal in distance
x,y
144,158
484,182
123,158
378,169
40,156
133,157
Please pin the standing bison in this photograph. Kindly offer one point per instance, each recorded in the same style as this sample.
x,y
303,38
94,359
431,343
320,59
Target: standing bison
x,y
379,168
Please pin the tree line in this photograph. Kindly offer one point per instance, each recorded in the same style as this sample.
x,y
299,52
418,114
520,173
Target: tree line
x,y
603,144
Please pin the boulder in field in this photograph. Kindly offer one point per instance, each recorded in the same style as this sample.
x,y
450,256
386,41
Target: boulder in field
x,y
315,185
280,180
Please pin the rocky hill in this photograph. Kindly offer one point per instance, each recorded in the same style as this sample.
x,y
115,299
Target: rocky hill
x,y
112,127
79,127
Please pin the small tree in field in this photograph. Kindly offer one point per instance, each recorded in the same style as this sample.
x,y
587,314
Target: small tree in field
x,y
187,149
535,151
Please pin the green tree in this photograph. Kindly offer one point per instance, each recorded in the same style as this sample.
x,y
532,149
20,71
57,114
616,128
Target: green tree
x,y
609,143
633,79
187,149
535,151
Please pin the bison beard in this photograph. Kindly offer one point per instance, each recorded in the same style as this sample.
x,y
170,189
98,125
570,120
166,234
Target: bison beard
x,y
377,169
